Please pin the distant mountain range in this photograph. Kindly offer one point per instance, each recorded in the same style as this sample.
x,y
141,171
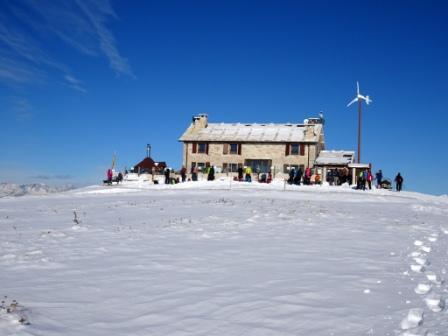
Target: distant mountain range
x,y
11,189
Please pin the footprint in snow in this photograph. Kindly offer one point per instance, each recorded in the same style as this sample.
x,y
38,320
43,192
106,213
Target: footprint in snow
x,y
416,254
413,319
417,268
435,303
423,288
426,249
418,243
434,278
421,261
432,239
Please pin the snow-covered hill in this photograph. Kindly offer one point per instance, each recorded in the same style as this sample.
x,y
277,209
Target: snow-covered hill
x,y
11,189
224,259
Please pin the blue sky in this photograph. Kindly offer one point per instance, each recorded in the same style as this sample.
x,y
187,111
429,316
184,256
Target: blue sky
x,y
80,80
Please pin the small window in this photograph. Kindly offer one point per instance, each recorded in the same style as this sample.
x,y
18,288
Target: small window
x,y
233,148
295,149
202,148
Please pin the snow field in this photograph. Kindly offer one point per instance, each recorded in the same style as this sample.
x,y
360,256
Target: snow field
x,y
172,261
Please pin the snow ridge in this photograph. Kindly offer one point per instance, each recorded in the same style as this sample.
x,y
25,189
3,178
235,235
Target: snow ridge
x,y
12,189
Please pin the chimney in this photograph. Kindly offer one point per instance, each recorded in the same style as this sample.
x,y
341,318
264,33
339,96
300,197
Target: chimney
x,y
200,121
309,131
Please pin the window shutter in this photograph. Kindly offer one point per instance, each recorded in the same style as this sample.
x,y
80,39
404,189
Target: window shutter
x,y
206,148
287,150
195,148
302,149
239,149
225,149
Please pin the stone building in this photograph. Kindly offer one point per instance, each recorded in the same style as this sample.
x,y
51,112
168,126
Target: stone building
x,y
264,147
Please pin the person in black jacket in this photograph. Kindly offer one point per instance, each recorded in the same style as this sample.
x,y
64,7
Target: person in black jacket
x,y
398,181
240,173
211,174
167,176
298,176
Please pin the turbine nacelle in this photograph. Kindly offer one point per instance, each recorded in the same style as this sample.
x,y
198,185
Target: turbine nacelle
x,y
359,97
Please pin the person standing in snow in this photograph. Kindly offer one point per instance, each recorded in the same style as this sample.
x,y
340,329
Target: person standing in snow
x,y
360,181
109,176
398,181
240,174
248,172
364,179
194,173
369,179
183,173
298,176
379,178
291,175
307,176
211,173
167,175
336,177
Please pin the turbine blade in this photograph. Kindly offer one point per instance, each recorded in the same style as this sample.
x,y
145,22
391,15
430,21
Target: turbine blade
x,y
353,101
357,87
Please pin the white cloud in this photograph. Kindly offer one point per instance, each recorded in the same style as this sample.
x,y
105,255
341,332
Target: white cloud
x,y
98,12
75,83
25,29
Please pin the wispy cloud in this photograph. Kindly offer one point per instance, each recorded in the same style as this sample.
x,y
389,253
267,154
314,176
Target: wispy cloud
x,y
52,177
22,109
75,83
15,72
27,25
98,14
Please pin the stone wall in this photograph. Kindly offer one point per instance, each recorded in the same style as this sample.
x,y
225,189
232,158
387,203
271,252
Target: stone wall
x,y
253,151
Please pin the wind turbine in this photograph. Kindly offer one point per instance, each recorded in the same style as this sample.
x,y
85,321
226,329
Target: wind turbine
x,y
359,98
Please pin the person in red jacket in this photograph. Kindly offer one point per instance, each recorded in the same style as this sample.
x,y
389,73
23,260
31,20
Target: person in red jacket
x,y
307,175
109,176
369,179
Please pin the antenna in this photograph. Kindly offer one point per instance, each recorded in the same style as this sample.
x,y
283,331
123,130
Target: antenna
x,y
148,150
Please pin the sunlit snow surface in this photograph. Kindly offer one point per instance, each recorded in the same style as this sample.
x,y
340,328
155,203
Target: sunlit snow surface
x,y
224,259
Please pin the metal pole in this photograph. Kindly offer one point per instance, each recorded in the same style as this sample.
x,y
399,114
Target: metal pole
x,y
359,130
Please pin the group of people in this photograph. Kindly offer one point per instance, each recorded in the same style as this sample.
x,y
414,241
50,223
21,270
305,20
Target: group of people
x,y
296,176
365,179
110,177
339,176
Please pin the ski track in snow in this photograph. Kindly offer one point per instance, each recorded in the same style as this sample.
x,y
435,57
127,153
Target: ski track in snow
x,y
224,262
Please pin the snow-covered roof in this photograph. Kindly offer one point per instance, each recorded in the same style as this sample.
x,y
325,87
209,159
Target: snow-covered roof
x,y
333,157
254,133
